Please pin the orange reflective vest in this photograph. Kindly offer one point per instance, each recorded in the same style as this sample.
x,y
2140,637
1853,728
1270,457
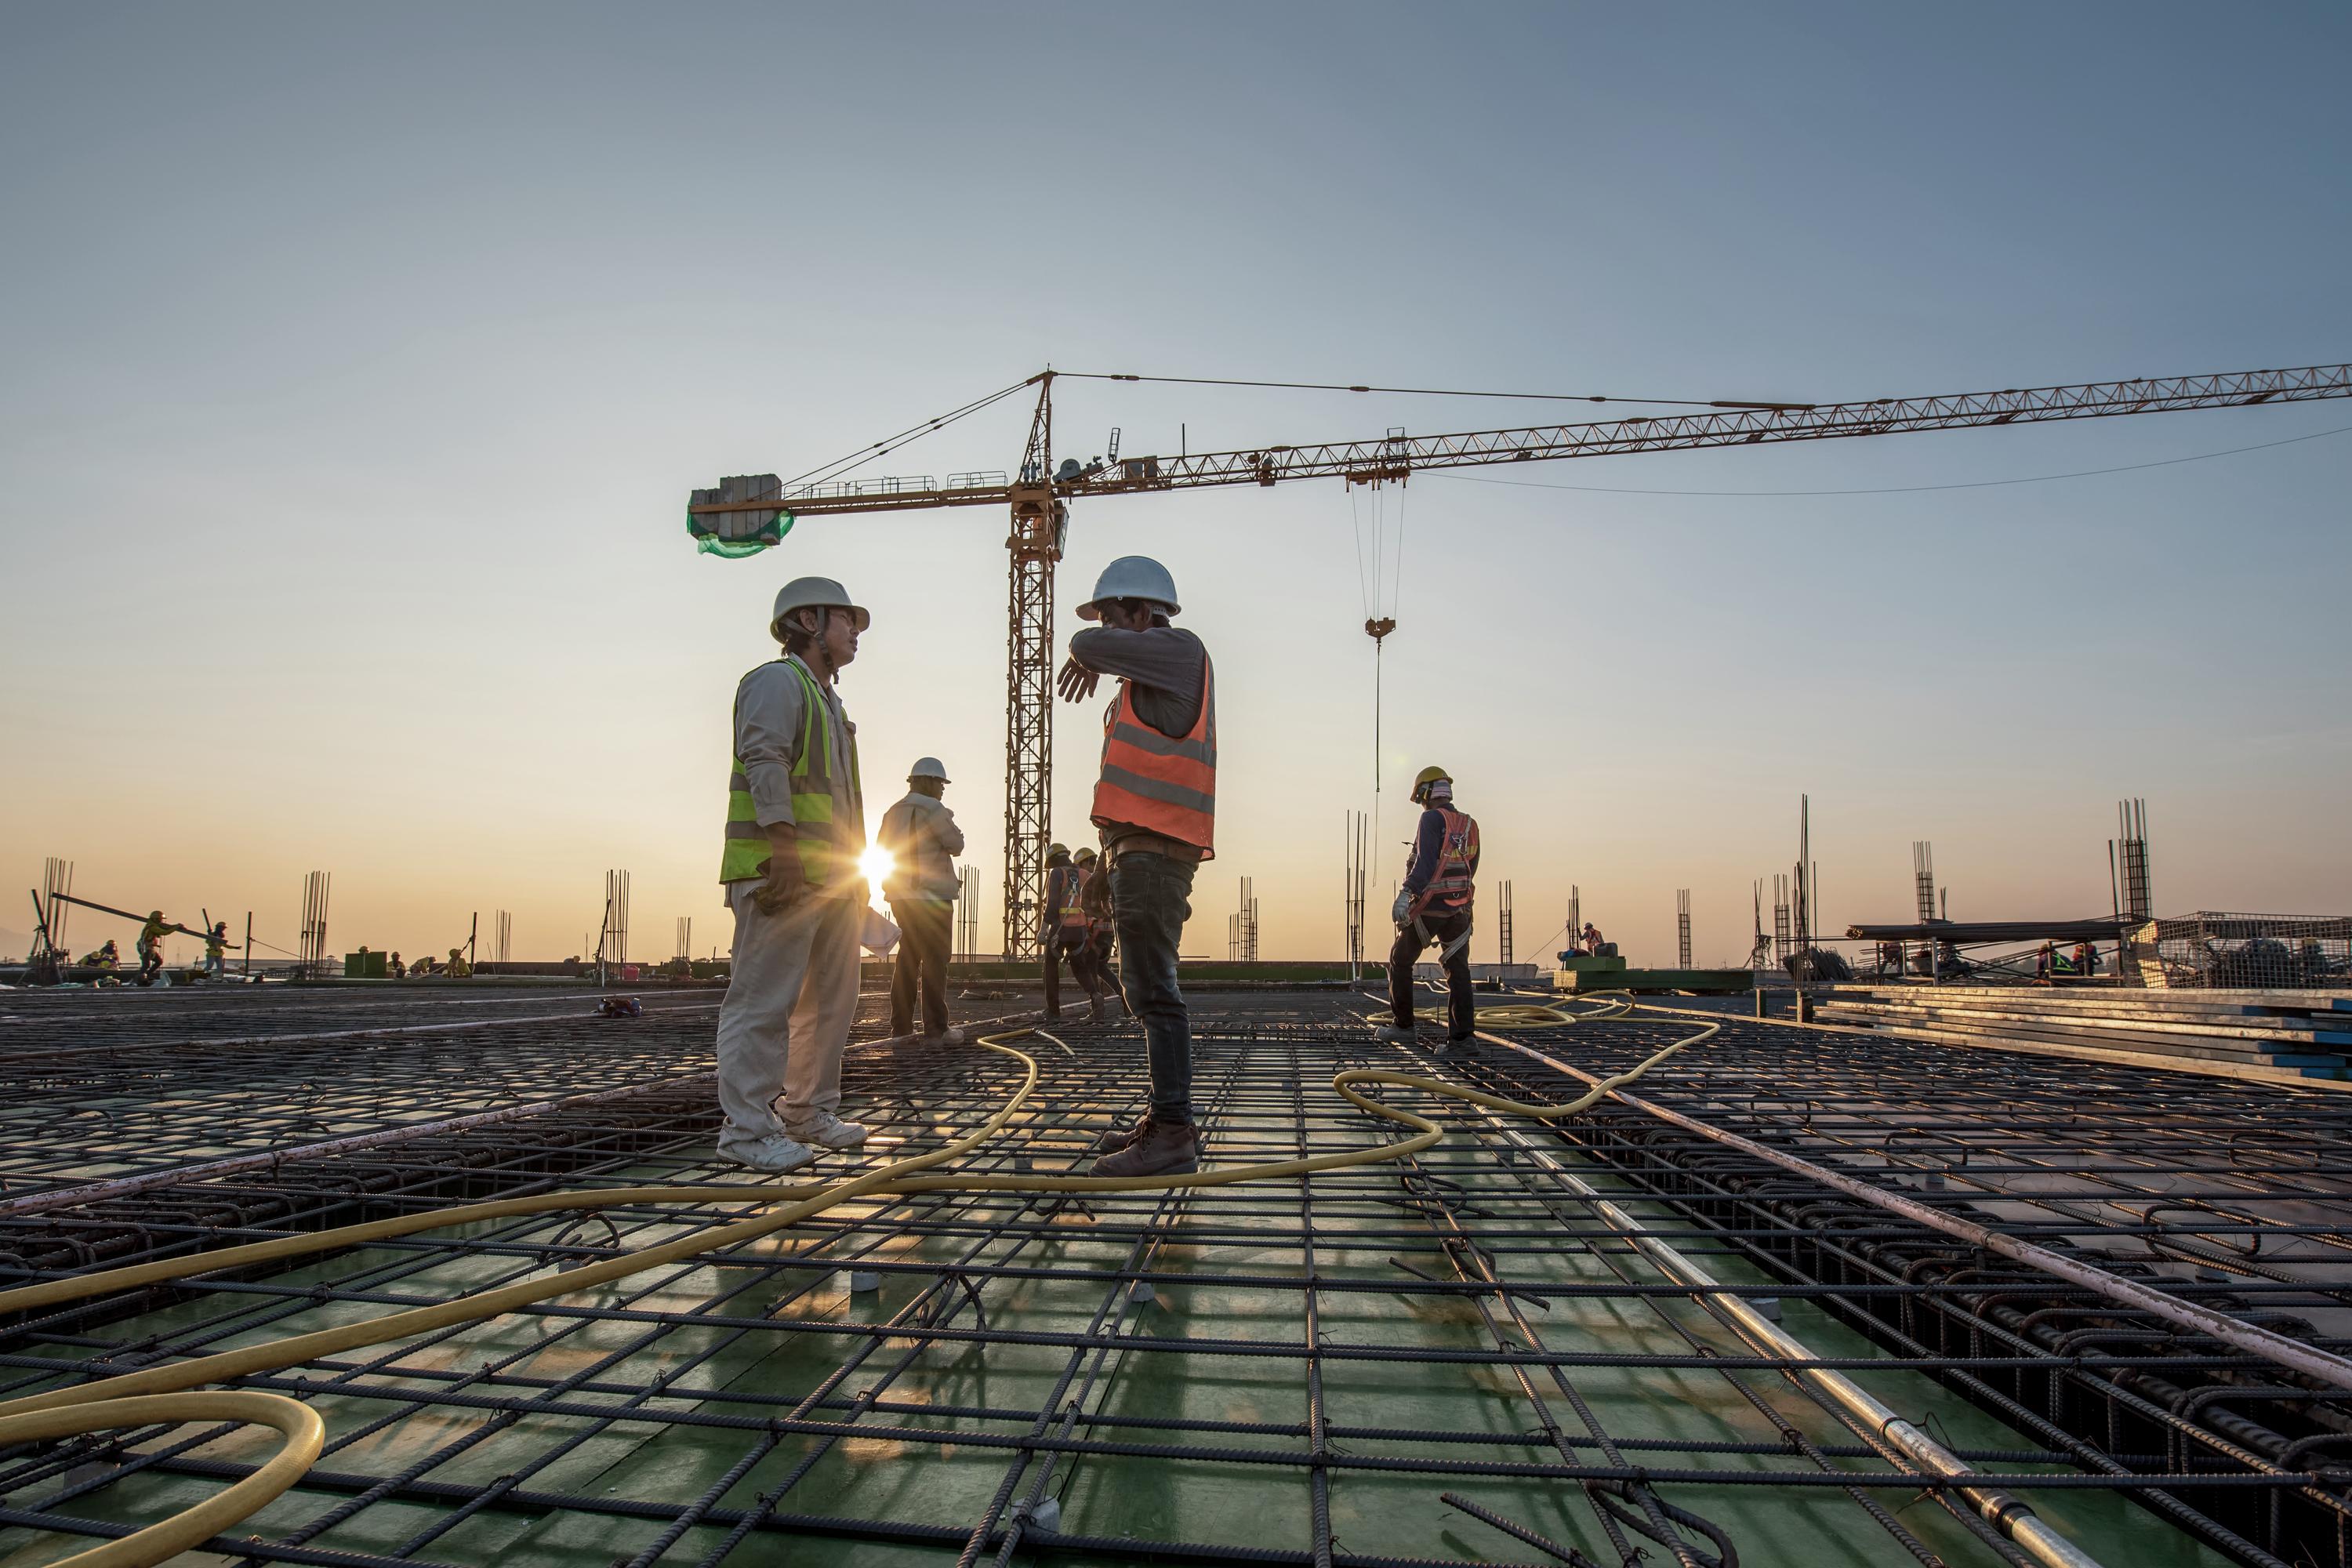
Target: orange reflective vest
x,y
1163,784
1449,889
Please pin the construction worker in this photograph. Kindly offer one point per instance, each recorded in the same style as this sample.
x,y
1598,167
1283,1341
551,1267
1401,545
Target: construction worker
x,y
1067,933
796,827
458,967
921,835
1433,905
151,944
1155,804
108,956
1091,962
396,969
1592,940
216,950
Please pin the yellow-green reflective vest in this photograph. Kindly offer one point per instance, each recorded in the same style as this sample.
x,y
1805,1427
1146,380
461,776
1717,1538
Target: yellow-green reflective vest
x,y
823,843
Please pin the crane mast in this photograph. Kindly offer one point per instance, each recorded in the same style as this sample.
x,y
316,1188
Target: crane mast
x,y
1039,521
1038,503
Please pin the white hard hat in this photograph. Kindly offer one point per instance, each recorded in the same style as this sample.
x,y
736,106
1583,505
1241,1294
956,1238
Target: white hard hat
x,y
809,594
1131,577
928,768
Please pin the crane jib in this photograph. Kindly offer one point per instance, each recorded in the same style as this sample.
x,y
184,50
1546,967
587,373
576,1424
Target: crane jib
x,y
1389,459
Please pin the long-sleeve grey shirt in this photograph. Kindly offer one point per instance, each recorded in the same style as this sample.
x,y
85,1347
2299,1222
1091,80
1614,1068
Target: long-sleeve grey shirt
x,y
770,705
923,839
1166,665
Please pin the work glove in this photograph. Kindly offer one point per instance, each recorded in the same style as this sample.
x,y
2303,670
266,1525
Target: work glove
x,y
1402,909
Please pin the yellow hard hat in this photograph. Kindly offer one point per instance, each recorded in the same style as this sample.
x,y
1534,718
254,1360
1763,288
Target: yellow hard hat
x,y
1083,857
1426,777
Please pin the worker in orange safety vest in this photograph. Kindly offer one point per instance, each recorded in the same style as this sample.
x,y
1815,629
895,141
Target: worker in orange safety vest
x,y
1433,905
1155,804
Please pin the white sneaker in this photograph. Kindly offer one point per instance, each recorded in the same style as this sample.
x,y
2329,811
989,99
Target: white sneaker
x,y
827,1130
775,1153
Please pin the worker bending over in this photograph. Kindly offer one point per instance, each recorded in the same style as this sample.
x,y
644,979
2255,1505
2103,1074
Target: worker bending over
x,y
1433,905
1155,804
151,944
921,835
1069,930
459,966
795,826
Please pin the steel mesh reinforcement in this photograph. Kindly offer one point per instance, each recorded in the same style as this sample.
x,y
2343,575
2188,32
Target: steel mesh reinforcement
x,y
1468,1355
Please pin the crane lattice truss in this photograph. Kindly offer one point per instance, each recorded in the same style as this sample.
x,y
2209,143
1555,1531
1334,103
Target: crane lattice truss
x,y
1038,502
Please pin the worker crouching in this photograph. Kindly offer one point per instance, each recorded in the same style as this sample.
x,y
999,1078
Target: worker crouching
x,y
1155,804
795,826
1435,905
922,838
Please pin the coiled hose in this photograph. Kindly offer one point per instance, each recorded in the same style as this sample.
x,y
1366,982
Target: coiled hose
x,y
163,1392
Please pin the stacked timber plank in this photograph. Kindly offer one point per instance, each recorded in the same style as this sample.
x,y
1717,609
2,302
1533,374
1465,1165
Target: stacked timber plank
x,y
2305,1034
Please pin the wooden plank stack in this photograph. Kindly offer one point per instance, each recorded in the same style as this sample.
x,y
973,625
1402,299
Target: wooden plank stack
x,y
2305,1034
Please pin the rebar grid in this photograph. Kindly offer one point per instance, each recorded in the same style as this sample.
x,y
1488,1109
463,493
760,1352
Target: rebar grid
x,y
1281,1372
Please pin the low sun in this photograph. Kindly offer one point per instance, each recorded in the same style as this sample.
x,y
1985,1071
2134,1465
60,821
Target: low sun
x,y
875,862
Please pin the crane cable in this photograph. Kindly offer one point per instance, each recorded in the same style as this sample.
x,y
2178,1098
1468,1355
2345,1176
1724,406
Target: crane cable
x,y
166,1393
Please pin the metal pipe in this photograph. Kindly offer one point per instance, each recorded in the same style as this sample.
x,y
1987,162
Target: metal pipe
x,y
2310,1361
2010,1514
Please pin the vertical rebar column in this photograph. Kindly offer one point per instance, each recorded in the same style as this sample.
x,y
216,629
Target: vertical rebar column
x,y
2140,902
57,885
1923,877
967,912
1502,920
1681,926
503,939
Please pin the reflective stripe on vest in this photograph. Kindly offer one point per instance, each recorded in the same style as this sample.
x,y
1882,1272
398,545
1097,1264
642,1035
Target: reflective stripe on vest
x,y
822,842
1161,784
1449,887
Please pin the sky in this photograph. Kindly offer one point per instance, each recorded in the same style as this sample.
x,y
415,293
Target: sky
x,y
356,363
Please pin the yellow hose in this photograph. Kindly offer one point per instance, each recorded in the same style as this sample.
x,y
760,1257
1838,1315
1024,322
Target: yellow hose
x,y
137,1398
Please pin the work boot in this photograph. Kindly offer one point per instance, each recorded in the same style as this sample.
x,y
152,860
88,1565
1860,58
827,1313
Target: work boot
x,y
1163,1149
1460,1042
827,1130
1095,1001
1118,1138
1390,1035
775,1154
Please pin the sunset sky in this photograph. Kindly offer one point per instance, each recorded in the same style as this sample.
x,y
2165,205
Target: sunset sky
x,y
356,363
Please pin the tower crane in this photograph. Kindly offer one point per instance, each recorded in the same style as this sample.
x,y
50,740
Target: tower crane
x,y
749,511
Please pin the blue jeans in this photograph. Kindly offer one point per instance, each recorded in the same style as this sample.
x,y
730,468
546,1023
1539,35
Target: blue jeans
x,y
1151,898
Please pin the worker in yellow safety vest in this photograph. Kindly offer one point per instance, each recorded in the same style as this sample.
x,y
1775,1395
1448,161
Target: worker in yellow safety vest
x,y
150,945
795,830
1155,804
1435,905
458,967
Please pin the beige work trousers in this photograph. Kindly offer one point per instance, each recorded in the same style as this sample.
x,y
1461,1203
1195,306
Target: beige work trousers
x,y
791,995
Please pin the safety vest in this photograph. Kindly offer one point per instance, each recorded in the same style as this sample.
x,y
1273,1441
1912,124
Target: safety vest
x,y
150,934
1068,895
215,947
823,843
1163,785
1449,887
